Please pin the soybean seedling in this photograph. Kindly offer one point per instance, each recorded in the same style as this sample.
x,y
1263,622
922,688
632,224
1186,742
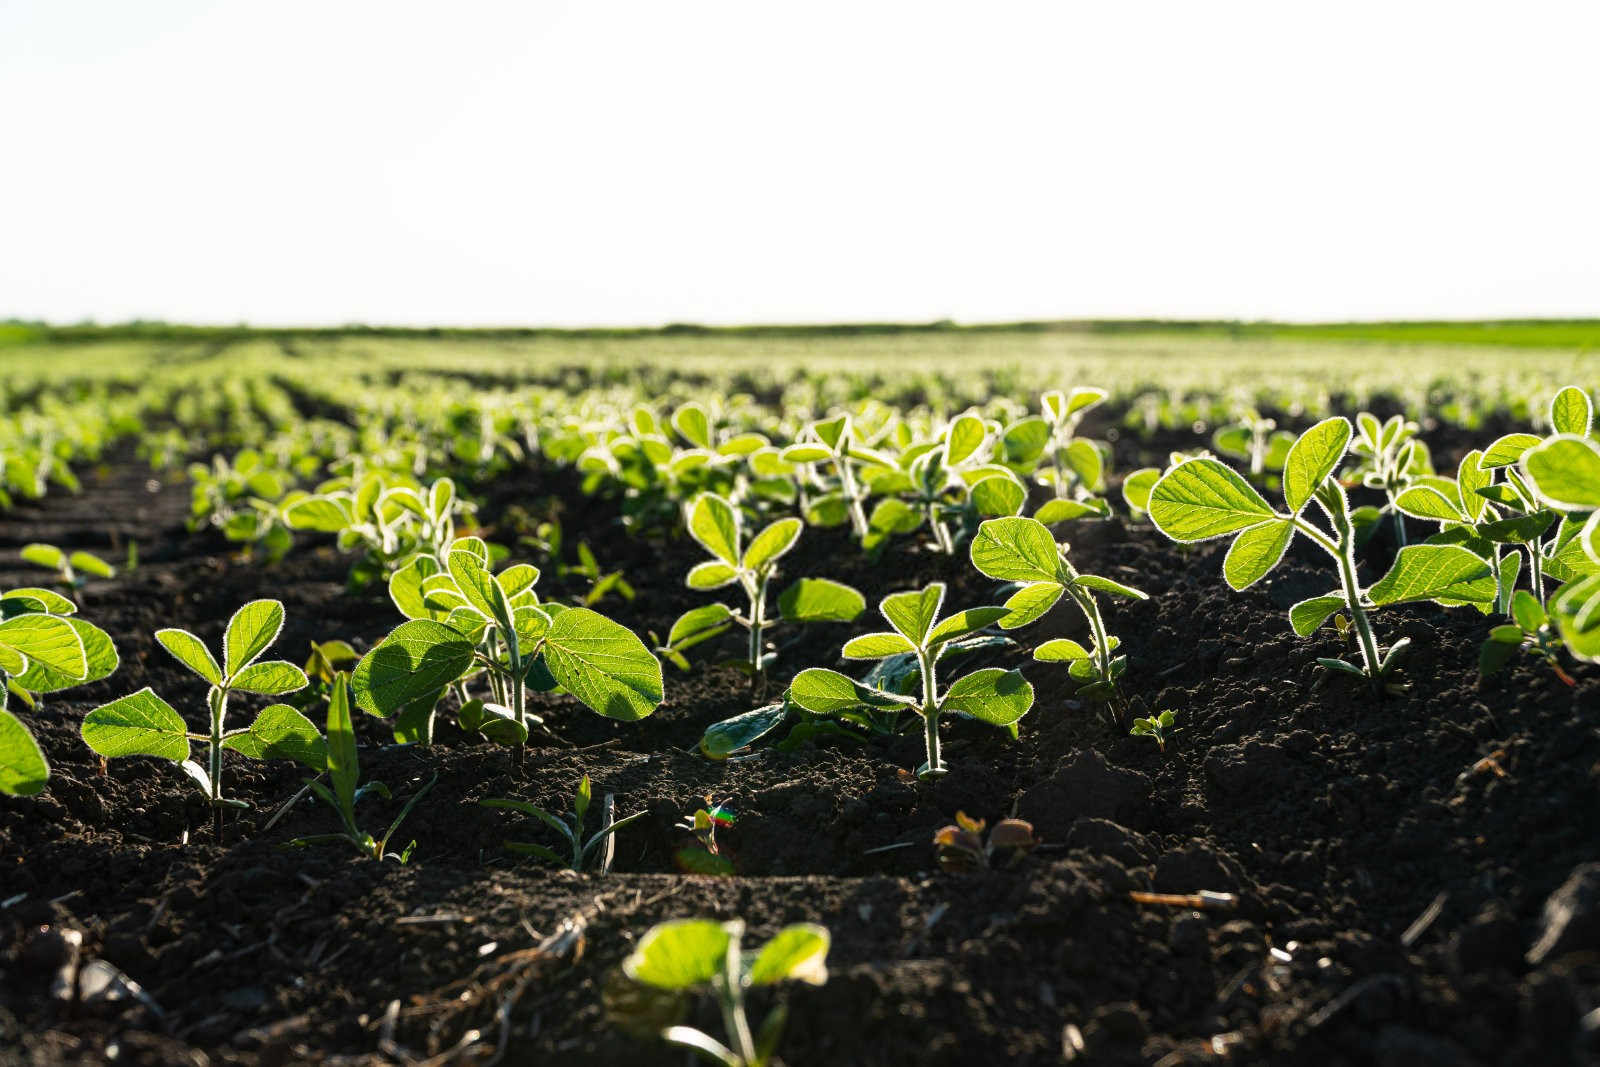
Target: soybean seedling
x,y
1392,457
1255,440
344,770
992,695
466,620
1200,499
1155,727
1019,549
143,724
1530,629
71,571
833,441
705,857
962,847
676,959
718,527
585,847
1564,471
44,648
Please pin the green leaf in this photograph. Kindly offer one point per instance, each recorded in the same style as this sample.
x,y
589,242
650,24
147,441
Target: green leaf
x,y
344,766
17,601
1086,462
1518,529
406,588
965,436
826,692
1566,472
1061,510
1312,459
1030,603
714,523
282,732
1526,610
89,563
820,600
141,724
699,624
993,695
1470,477
517,579
1426,502
23,768
270,677
190,651
998,494
603,664
252,628
1307,615
100,659
1106,585
475,583
417,658
1016,549
723,739
1508,449
1255,552
48,556
1024,441
322,514
1203,498
771,543
965,622
913,613
1136,488
1435,572
1570,411
1060,650
46,639
693,423
798,952
712,574
680,954
1576,611
876,646
805,453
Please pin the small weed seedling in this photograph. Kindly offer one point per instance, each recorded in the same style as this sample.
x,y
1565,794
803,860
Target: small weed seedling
x,y
705,857
676,959
143,724
585,848
1155,727
962,847
344,770
71,571
992,695
1022,550
44,648
1200,499
718,528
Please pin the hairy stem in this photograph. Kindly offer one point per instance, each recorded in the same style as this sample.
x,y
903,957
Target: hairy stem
x,y
930,712
847,479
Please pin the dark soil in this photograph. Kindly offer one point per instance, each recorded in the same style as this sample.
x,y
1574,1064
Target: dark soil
x,y
1454,810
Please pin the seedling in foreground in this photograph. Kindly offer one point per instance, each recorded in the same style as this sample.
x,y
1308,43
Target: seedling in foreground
x,y
143,724
43,648
687,955
344,769
962,847
71,571
992,695
1200,499
585,848
719,528
1155,727
1022,550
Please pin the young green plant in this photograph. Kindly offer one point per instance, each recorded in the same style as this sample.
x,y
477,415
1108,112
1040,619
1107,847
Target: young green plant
x,y
344,771
1020,549
586,848
679,958
718,527
44,648
992,695
143,724
1201,499
71,570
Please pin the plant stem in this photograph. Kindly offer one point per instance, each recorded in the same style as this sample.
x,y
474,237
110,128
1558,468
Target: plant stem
x,y
731,999
847,480
930,712
1536,570
757,592
1352,599
218,699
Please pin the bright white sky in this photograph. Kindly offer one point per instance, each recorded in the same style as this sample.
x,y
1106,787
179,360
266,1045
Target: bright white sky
x,y
646,162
